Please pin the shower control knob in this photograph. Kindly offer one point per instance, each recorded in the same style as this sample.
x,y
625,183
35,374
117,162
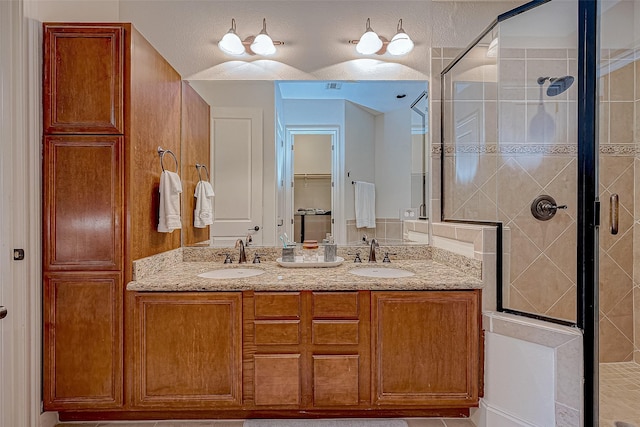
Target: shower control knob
x,y
544,208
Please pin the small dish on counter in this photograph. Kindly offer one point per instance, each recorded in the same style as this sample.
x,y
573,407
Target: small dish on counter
x,y
300,263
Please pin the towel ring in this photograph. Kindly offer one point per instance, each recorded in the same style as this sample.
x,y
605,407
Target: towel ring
x,y
161,153
198,167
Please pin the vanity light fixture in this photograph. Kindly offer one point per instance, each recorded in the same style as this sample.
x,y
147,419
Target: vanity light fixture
x,y
262,44
371,43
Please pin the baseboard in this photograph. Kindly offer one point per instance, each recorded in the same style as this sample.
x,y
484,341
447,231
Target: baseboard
x,y
48,419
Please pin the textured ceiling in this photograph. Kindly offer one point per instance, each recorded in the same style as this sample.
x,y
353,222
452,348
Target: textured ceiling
x,y
316,35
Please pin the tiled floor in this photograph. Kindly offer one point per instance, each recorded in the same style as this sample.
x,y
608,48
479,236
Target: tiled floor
x,y
413,422
619,393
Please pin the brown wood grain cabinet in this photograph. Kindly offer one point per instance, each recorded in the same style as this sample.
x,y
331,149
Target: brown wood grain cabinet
x,y
426,348
188,350
83,335
109,101
302,354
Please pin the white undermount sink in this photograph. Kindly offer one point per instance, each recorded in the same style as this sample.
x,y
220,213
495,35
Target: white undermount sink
x,y
231,273
383,272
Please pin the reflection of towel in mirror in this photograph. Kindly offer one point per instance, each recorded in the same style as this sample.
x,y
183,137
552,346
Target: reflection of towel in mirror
x,y
203,213
170,189
365,204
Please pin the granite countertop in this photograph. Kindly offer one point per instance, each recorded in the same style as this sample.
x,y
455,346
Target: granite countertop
x,y
429,275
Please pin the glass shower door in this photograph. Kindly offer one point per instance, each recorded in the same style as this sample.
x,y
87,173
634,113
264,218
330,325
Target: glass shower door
x,y
510,150
619,248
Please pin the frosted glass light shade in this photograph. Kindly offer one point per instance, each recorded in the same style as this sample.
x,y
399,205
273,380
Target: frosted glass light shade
x,y
231,44
263,45
400,44
369,43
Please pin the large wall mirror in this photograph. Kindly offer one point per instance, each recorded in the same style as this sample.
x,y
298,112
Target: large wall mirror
x,y
286,157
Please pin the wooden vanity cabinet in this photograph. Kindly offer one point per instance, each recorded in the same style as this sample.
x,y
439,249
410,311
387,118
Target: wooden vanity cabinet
x,y
109,101
187,350
426,348
306,350
303,354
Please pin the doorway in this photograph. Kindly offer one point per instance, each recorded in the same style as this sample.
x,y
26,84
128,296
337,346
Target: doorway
x,y
311,156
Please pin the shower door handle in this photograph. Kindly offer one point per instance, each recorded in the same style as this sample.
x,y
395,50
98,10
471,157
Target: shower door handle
x,y
614,209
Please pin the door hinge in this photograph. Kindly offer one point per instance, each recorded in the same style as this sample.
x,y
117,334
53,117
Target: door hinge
x,y
596,214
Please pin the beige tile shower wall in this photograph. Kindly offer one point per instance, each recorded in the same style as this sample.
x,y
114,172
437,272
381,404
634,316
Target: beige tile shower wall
x,y
535,156
617,176
530,152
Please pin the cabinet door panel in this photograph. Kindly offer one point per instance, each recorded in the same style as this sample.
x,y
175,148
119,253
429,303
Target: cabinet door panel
x,y
188,350
83,79
83,202
426,347
82,341
277,379
335,380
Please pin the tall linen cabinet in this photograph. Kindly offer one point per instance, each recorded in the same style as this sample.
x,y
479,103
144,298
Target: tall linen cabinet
x,y
109,101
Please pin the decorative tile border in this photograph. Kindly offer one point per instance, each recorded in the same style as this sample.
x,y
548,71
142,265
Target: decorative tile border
x,y
528,149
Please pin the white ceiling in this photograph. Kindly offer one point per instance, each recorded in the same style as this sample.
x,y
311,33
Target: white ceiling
x,y
379,96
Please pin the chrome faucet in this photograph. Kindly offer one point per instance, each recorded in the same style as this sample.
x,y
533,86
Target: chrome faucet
x,y
372,250
243,256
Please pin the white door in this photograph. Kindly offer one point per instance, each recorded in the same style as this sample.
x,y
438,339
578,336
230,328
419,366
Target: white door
x,y
236,150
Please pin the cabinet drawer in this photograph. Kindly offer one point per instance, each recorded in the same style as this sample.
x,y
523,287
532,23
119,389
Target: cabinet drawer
x,y
277,332
343,332
335,305
277,305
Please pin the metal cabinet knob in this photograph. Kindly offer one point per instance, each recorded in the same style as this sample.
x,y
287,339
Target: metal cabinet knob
x,y
3,312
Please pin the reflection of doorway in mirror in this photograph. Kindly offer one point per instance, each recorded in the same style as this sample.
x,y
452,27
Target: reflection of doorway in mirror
x,y
312,189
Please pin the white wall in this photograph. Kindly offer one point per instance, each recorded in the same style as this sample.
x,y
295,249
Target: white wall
x,y
359,152
393,147
312,154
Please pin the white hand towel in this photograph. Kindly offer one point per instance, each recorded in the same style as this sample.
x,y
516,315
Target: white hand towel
x,y
365,204
170,189
203,213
